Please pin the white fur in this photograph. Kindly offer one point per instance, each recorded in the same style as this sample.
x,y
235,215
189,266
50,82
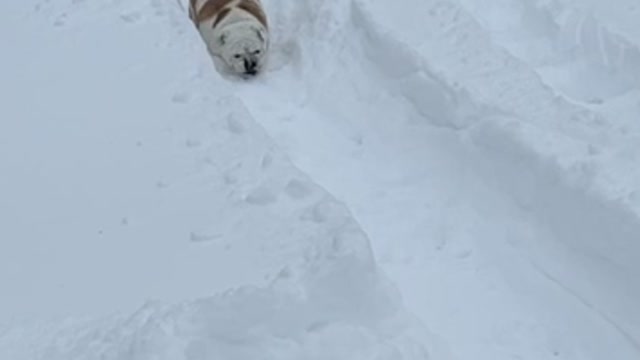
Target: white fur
x,y
238,40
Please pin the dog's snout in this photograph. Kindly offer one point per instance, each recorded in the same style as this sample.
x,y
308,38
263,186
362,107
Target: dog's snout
x,y
250,66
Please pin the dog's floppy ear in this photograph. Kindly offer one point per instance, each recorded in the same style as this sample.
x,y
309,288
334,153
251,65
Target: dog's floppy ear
x,y
222,39
259,32
260,35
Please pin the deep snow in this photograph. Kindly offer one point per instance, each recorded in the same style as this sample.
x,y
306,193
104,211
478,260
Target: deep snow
x,y
458,178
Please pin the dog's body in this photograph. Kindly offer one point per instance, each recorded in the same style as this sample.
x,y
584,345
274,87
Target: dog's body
x,y
234,30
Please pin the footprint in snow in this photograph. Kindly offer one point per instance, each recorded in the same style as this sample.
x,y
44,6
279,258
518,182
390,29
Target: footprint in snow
x,y
297,189
321,212
463,253
192,143
230,179
234,124
132,17
267,160
158,7
261,196
181,98
201,238
60,20
40,5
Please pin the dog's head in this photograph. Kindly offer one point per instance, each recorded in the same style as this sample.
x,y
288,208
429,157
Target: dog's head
x,y
244,47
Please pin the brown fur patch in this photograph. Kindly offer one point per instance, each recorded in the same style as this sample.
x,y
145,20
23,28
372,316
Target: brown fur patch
x,y
223,14
220,9
254,8
210,9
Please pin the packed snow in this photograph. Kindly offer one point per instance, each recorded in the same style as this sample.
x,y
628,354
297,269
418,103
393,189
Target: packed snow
x,y
422,179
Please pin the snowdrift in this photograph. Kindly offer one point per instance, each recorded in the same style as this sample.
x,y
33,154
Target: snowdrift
x,y
500,182
389,164
134,111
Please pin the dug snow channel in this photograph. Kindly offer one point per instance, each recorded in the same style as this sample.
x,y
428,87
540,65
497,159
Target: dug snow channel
x,y
421,179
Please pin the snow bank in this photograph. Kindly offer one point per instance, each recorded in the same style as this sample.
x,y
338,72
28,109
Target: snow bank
x,y
495,185
553,157
340,309
470,172
167,188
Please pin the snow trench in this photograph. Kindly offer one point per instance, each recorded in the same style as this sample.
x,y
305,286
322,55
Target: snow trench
x,y
589,244
509,131
391,172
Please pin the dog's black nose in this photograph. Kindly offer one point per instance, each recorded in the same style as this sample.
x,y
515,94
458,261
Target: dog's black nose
x,y
250,67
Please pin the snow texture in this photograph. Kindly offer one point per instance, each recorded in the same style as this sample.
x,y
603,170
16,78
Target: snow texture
x,y
425,179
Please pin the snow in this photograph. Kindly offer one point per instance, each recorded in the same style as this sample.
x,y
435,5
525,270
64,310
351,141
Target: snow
x,y
457,181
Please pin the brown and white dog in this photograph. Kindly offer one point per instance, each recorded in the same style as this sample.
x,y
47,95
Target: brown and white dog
x,y
235,31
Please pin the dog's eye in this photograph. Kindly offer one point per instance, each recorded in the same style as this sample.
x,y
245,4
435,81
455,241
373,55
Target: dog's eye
x,y
237,56
257,52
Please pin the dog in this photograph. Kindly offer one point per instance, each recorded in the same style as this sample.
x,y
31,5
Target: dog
x,y
236,31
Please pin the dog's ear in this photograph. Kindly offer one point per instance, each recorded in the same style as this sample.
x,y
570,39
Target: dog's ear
x,y
222,39
260,35
259,32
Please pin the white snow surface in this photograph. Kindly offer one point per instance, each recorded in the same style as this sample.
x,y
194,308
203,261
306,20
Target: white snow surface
x,y
420,179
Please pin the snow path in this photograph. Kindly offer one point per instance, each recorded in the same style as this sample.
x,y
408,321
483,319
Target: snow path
x,y
474,209
504,212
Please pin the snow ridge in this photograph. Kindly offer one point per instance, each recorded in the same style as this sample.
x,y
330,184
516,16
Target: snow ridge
x,y
392,170
294,272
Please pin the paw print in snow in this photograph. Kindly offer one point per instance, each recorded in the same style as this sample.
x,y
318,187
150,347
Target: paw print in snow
x,y
132,17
